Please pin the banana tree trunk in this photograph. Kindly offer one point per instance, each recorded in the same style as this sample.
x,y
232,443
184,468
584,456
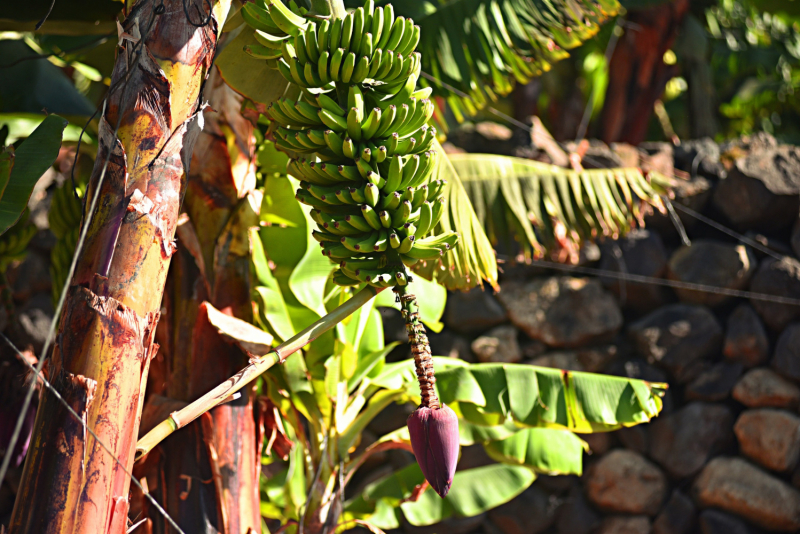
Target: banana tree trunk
x,y
637,74
101,354
208,475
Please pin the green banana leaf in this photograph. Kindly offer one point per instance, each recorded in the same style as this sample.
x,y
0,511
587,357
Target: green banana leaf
x,y
545,450
248,76
474,491
481,47
490,394
473,260
546,208
20,169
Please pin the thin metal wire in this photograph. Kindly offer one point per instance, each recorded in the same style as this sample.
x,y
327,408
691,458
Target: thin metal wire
x,y
78,418
775,299
724,229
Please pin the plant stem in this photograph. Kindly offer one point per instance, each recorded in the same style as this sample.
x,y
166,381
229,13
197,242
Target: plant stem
x,y
257,366
327,8
420,349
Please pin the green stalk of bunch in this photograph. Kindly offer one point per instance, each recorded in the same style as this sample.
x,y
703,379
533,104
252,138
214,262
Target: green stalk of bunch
x,y
358,136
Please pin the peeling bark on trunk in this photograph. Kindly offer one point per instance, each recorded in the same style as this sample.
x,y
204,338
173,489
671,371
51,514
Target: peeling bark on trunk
x,y
637,74
104,344
211,470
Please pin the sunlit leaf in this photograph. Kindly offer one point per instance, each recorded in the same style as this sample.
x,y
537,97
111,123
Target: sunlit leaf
x,y
546,208
472,261
481,47
490,394
20,171
545,450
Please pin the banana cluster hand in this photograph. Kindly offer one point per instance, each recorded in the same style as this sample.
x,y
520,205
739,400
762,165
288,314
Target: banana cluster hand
x,y
358,135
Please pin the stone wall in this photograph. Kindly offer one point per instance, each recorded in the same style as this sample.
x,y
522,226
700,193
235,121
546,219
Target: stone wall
x,y
723,456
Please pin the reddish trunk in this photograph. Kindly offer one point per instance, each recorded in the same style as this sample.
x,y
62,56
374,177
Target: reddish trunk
x,y
210,471
102,351
637,72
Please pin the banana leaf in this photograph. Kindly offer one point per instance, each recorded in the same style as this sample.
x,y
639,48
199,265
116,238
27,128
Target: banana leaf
x,y
481,47
550,209
489,394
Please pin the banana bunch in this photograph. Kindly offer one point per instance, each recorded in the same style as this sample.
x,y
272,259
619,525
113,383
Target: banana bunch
x,y
358,136
14,242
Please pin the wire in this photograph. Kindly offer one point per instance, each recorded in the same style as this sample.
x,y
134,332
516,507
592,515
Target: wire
x,y
78,418
627,277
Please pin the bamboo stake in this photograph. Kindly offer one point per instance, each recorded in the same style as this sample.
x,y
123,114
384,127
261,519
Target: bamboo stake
x,y
257,366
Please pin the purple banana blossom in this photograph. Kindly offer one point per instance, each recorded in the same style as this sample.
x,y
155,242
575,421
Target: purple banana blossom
x,y
434,438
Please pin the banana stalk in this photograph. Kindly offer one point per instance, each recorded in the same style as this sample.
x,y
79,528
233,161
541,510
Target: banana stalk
x,y
105,342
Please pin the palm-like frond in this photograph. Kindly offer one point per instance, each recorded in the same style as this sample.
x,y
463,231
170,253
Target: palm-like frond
x,y
552,209
473,260
481,46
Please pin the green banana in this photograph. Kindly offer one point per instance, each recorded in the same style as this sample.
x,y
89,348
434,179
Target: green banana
x,y
335,122
336,63
367,175
284,19
347,67
312,51
261,51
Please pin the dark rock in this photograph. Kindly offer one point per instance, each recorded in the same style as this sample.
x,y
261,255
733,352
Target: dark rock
x,y
599,442
738,487
658,156
473,312
636,368
498,345
677,516
531,512
575,516
716,522
745,337
764,388
770,437
699,156
641,252
562,311
566,359
29,277
711,263
618,524
590,359
625,482
483,137
786,359
34,321
694,194
761,190
715,383
532,348
795,239
780,278
595,359
677,337
634,438
682,442
450,344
